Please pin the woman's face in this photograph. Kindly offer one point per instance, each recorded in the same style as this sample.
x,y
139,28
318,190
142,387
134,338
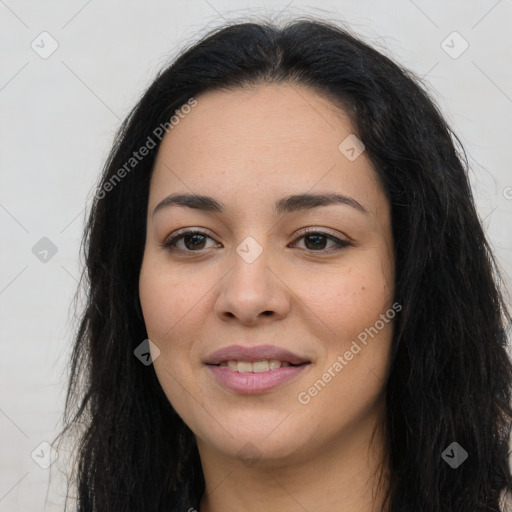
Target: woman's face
x,y
274,323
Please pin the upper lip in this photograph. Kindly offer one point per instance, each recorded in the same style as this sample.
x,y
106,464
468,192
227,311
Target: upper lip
x,y
252,354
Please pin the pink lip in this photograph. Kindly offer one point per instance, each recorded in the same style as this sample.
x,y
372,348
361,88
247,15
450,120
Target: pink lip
x,y
253,383
253,353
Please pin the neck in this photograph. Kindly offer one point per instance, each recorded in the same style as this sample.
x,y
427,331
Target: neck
x,y
345,475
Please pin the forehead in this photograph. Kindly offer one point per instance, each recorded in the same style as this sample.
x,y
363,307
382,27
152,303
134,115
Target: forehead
x,y
259,143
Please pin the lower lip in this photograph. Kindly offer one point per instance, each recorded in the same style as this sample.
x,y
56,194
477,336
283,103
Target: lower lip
x,y
253,383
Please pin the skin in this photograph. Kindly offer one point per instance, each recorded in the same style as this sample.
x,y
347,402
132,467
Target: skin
x,y
248,148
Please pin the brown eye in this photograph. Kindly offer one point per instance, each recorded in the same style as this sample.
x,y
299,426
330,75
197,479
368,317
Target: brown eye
x,y
192,241
195,241
316,241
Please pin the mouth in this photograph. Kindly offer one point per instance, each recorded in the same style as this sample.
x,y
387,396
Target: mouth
x,y
265,365
256,369
256,358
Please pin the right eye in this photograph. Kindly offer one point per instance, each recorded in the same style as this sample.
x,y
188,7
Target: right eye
x,y
192,241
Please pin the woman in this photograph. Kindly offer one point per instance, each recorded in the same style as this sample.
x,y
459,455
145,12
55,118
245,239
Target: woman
x,y
337,340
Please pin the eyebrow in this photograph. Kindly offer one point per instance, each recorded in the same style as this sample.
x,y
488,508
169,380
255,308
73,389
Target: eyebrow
x,y
287,204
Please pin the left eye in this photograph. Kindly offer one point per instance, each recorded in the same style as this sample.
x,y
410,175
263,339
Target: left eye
x,y
194,241
316,241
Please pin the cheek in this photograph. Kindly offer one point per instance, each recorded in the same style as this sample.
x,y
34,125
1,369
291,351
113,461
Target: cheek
x,y
350,376
172,309
350,299
167,299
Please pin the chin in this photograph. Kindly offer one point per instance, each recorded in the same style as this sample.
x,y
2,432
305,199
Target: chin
x,y
252,437
262,451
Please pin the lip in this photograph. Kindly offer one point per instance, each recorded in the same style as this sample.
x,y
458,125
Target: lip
x,y
252,383
255,383
253,353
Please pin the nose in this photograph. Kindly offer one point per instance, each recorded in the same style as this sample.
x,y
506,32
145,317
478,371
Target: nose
x,y
252,293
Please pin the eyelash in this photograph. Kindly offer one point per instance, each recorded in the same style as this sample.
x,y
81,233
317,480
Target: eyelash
x,y
169,243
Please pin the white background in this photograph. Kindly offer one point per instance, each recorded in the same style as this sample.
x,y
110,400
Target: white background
x,y
58,118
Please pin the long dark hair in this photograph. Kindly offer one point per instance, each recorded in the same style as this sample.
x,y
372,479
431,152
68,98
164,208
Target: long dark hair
x,y
450,378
